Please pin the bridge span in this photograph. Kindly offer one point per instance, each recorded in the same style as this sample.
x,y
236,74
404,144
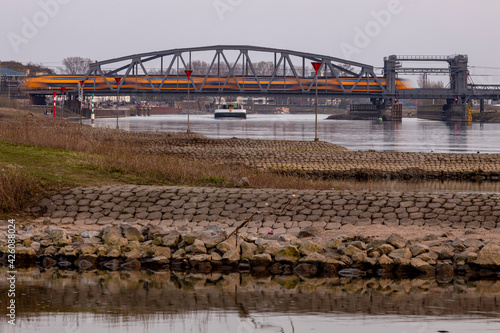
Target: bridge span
x,y
237,70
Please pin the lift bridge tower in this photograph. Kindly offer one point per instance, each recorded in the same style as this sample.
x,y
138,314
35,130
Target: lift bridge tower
x,y
456,94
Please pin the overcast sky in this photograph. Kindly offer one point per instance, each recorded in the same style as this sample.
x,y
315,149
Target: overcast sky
x,y
46,31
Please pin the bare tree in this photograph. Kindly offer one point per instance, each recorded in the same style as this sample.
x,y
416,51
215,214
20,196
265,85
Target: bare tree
x,y
348,68
264,68
199,67
422,81
75,65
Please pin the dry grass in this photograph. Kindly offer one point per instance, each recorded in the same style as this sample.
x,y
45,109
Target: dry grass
x,y
122,157
16,190
5,102
171,169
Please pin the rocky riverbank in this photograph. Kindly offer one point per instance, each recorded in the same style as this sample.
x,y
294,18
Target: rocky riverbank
x,y
266,231
309,254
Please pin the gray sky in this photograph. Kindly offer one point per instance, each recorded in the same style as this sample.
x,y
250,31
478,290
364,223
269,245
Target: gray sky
x,y
46,31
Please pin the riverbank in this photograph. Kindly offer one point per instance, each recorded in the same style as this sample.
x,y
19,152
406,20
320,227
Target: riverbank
x,y
144,156
97,181
486,117
311,233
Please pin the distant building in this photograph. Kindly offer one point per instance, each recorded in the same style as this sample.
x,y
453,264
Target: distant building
x,y
264,101
243,100
10,80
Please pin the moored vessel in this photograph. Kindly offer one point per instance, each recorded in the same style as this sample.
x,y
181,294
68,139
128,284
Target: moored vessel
x,y
230,110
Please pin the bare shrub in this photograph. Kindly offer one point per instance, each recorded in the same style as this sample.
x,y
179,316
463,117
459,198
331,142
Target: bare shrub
x,y
16,190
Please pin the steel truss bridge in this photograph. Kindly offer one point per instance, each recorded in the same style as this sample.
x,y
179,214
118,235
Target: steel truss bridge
x,y
237,70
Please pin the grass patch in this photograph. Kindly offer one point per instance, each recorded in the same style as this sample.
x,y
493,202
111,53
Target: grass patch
x,y
214,181
53,167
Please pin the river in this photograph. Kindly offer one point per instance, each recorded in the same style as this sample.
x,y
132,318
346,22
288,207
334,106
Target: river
x,y
409,135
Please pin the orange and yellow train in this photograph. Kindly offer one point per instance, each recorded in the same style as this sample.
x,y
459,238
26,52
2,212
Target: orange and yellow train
x,y
210,84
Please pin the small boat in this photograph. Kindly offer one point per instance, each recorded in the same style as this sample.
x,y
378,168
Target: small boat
x,y
230,110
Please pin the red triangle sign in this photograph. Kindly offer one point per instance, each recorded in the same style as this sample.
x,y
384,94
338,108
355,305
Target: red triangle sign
x,y
63,90
81,83
118,79
188,73
317,66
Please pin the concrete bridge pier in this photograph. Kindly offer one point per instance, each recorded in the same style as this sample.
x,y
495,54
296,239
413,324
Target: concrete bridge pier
x,y
451,111
378,109
455,111
364,111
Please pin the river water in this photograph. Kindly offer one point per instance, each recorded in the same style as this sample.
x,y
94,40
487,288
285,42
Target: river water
x,y
410,135
103,302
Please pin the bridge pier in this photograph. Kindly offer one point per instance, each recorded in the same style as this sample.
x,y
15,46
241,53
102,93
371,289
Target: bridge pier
x,y
431,112
364,111
378,109
397,112
456,112
451,111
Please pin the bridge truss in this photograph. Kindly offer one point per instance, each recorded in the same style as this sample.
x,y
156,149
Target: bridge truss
x,y
238,70
288,74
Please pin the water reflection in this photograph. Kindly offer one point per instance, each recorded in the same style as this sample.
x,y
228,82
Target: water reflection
x,y
101,301
411,134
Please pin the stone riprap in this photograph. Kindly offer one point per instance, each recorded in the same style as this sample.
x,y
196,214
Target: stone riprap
x,y
278,211
326,160
213,249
